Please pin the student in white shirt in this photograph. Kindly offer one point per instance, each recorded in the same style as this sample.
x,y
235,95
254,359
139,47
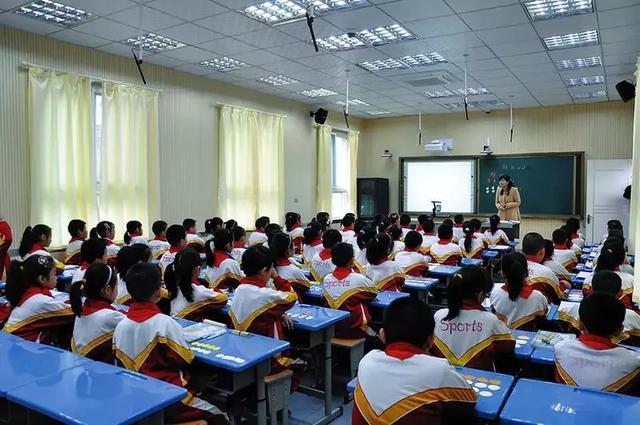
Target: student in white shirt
x,y
562,254
312,241
222,272
281,250
477,227
78,231
93,251
558,269
396,234
134,233
363,237
159,244
35,241
495,235
471,245
293,224
193,240
428,236
458,230
321,264
126,258
611,258
258,236
385,274
211,226
239,243
573,227
177,238
412,261
444,251
540,276
405,225
348,231
107,231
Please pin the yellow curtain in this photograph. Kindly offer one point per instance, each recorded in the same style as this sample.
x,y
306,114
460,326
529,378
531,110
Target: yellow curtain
x,y
250,165
634,219
129,159
61,151
324,168
352,139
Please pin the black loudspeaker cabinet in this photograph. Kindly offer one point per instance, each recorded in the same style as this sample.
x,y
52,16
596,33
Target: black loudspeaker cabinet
x,y
373,197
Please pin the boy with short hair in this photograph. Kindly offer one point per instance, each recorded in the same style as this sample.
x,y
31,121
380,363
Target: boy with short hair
x,y
593,360
540,276
321,264
561,253
458,233
411,260
428,237
259,237
239,243
193,240
444,251
159,244
177,238
78,231
402,384
558,269
405,225
152,343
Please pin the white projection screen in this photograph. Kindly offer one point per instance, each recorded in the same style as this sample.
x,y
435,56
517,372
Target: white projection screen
x,y
450,181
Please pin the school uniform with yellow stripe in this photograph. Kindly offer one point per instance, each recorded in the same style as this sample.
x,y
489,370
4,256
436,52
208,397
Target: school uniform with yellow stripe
x,y
569,312
428,239
545,281
387,275
321,265
521,313
475,251
224,273
497,238
205,301
412,263
158,247
625,293
566,257
291,272
445,252
72,252
93,330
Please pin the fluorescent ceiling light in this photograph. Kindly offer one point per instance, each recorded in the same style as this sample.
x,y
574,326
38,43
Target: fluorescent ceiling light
x,y
317,92
471,91
278,11
488,103
585,81
223,64
589,95
423,59
54,13
355,102
277,80
453,106
548,9
368,37
381,64
575,39
154,42
378,112
439,94
580,63
414,61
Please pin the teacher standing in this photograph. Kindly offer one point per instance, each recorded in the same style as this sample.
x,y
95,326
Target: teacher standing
x,y
507,199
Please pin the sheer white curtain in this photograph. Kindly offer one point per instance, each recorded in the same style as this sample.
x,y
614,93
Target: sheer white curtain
x,y
250,165
634,219
129,159
352,139
324,168
61,151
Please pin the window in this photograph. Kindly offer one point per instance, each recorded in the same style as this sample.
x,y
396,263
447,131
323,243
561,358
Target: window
x,y
340,195
96,95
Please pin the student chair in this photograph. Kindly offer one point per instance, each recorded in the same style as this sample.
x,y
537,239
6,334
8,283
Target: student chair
x,y
355,348
278,391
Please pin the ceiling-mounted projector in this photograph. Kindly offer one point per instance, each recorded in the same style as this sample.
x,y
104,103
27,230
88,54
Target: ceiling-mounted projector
x,y
439,145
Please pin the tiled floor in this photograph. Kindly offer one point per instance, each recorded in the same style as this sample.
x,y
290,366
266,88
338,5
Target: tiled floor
x,y
306,409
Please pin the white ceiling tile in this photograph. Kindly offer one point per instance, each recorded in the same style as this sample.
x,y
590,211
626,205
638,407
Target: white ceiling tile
x,y
79,38
575,53
619,59
619,17
108,29
456,41
434,27
628,68
247,73
152,20
623,47
404,48
359,55
619,34
224,77
412,10
496,17
99,7
160,59
491,73
530,59
500,82
512,49
194,69
511,34
226,46
266,38
461,6
284,66
10,4
341,71
295,50
237,4
354,20
190,34
257,57
300,30
10,19
567,24
189,10
484,65
475,53
308,76
189,54
119,49
614,4
545,86
231,23
326,61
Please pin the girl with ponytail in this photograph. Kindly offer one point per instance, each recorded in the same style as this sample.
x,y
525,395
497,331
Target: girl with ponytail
x,y
493,234
126,258
106,230
385,274
362,239
223,271
293,224
35,313
281,249
471,245
96,319
189,299
134,233
466,333
516,303
35,241
612,257
312,241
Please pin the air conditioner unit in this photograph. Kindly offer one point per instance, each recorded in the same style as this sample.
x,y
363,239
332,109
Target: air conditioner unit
x,y
439,145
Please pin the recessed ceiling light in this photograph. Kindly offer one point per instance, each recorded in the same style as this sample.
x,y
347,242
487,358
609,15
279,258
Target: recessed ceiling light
x,y
278,11
589,95
223,64
378,112
368,37
493,103
277,80
423,59
154,42
575,39
471,91
355,102
379,65
54,13
317,92
547,9
585,81
340,42
439,94
580,63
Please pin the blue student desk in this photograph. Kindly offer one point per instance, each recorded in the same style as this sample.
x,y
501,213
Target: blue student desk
x,y
524,343
503,249
97,393
537,402
471,262
547,356
489,255
420,286
574,296
442,272
2,285
385,298
552,313
583,268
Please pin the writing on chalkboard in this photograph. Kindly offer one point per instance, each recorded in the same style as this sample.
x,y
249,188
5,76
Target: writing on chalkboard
x,y
514,167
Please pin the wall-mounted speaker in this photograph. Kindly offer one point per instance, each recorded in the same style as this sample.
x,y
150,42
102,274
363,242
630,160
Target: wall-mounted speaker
x,y
320,116
626,90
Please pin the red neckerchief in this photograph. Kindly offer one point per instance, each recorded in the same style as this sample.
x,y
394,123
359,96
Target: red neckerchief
x,y
403,350
458,226
84,265
134,235
37,247
75,238
419,228
219,256
91,306
174,249
253,281
410,249
559,246
596,342
525,292
109,241
160,238
428,233
347,228
259,231
325,254
444,241
341,272
405,226
382,260
34,290
295,226
191,232
283,262
195,281
238,245
472,305
139,312
316,242
532,259
575,236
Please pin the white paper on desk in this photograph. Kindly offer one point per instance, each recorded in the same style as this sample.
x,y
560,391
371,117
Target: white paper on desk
x,y
202,330
547,339
583,275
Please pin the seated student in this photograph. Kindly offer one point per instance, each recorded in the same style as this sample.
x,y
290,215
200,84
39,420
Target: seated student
x,y
470,245
177,238
540,276
312,241
126,258
239,243
293,224
444,251
466,334
611,258
35,313
477,227
281,249
348,291
229,224
189,299
561,273
619,237
323,218
362,239
405,225
421,219
96,319
211,225
6,239
159,244
385,273
428,238
93,251
258,237
107,231
222,272
412,262
270,230
493,234
573,227
35,241
561,253
193,240
152,343
405,385
347,225
458,232
321,264
396,234
516,303
593,361
134,233
78,231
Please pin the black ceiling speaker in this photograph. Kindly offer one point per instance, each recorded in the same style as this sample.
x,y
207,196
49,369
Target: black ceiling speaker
x,y
320,116
626,90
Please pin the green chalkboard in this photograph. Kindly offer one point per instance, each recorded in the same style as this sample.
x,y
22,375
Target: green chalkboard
x,y
548,184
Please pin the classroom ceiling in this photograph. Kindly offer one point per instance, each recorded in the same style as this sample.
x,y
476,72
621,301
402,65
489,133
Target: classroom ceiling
x,y
507,62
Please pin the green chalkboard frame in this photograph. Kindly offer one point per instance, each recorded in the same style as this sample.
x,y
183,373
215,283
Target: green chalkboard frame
x,y
578,180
